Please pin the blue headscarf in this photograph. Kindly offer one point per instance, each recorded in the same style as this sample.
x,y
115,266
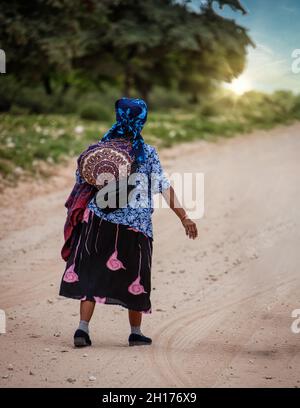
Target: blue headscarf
x,y
131,115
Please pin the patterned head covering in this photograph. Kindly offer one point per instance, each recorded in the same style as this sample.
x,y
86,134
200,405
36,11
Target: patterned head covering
x,y
131,115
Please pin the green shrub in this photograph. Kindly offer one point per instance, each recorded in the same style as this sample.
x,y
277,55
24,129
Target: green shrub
x,y
210,109
18,110
161,99
8,91
296,107
34,100
96,111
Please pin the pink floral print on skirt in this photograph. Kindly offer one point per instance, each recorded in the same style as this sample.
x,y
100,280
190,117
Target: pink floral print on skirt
x,y
109,264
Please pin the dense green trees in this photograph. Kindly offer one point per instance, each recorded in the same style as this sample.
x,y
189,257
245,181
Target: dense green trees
x,y
133,44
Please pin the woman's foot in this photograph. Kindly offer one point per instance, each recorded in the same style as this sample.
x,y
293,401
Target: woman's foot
x,y
81,339
139,340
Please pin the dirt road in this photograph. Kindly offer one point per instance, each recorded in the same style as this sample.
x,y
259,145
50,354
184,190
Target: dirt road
x,y
221,304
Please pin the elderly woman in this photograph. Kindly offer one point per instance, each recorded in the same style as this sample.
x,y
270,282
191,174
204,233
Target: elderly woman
x,y
108,254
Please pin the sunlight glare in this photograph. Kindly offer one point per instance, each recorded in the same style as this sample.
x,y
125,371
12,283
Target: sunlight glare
x,y
239,85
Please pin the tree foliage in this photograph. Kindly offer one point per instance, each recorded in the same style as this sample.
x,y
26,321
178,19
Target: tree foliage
x,y
135,44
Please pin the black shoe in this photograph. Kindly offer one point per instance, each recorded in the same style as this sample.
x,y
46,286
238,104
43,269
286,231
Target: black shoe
x,y
81,339
139,340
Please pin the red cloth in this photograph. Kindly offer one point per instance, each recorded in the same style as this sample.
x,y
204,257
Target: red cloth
x,y
76,203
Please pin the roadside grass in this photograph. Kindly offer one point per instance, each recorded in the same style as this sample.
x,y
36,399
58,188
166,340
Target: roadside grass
x,y
29,144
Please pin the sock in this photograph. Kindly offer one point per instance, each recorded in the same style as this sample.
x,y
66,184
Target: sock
x,y
83,325
136,330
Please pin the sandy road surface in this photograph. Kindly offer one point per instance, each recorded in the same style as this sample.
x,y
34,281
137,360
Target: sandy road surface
x,y
221,304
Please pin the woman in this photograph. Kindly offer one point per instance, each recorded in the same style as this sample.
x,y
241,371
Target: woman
x,y
109,254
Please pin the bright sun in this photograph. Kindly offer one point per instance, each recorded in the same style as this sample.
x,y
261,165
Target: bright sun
x,y
239,85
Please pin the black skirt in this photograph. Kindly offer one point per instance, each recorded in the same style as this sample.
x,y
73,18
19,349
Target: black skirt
x,y
109,264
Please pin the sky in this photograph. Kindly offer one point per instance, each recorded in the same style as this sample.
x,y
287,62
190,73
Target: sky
x,y
274,26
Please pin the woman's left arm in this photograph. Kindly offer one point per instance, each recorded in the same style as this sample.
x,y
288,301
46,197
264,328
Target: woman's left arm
x,y
188,224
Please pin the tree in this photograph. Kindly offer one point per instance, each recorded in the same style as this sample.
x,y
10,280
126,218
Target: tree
x,y
43,37
163,42
221,53
134,44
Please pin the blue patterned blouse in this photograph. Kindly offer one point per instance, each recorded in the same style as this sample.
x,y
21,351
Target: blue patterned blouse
x,y
138,216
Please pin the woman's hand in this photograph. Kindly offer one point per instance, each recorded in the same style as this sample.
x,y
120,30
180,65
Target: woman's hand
x,y
190,228
189,225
